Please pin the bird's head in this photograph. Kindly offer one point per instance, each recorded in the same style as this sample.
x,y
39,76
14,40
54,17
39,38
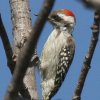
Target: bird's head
x,y
63,18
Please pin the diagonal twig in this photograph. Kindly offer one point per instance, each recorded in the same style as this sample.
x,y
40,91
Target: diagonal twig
x,y
88,58
7,46
26,52
91,4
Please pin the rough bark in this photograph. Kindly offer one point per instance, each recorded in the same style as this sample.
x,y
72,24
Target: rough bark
x,y
22,26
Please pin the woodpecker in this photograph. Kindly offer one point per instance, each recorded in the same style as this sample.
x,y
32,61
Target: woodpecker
x,y
58,52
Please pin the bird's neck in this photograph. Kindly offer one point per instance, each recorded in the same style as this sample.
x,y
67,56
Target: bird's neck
x,y
67,30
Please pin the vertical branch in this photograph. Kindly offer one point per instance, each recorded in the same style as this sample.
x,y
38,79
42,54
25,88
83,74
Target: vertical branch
x,y
7,46
22,26
27,50
88,57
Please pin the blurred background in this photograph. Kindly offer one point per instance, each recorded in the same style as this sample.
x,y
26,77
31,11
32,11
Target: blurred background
x,y
82,34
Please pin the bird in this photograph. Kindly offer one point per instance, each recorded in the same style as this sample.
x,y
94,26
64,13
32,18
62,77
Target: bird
x,y
58,52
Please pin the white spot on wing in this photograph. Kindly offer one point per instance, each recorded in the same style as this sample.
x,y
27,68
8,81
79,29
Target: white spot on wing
x,y
63,58
68,52
64,49
63,69
64,54
66,58
65,64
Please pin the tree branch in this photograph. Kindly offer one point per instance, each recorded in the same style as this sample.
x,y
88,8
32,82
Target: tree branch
x,y
26,52
92,4
88,57
22,26
8,50
7,46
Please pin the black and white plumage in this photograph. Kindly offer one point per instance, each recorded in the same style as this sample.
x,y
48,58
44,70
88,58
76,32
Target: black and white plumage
x,y
58,52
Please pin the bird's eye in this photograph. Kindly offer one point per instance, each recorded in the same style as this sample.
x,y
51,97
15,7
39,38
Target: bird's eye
x,y
66,25
57,18
54,16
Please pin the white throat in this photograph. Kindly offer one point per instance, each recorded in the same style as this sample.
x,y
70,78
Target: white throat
x,y
66,29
